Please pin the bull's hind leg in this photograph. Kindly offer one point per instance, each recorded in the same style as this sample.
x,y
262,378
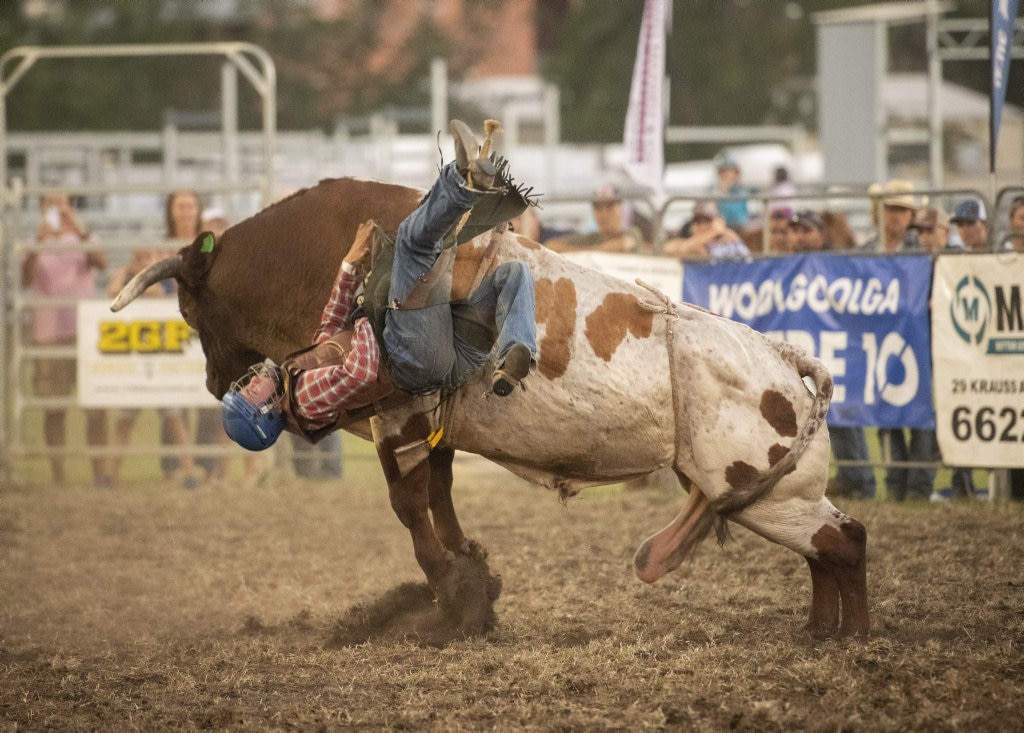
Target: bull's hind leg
x,y
835,547
840,567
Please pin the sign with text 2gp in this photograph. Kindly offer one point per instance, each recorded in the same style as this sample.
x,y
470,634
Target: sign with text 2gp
x,y
143,356
865,317
978,333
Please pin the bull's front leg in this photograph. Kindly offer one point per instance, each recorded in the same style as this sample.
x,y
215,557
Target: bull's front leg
x,y
410,499
462,583
442,509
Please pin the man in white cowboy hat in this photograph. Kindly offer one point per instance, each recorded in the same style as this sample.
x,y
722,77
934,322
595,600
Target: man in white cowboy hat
x,y
893,208
899,209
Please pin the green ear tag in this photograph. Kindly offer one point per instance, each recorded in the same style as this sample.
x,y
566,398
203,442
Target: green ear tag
x,y
208,242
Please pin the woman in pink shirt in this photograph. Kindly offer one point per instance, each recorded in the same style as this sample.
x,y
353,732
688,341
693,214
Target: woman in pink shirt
x,y
63,273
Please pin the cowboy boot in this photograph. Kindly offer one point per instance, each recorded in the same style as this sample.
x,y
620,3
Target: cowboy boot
x,y
479,173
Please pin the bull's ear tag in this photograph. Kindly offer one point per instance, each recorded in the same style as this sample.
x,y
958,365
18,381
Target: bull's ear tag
x,y
208,241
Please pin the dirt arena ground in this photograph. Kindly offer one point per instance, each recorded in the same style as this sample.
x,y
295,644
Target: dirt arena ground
x,y
150,607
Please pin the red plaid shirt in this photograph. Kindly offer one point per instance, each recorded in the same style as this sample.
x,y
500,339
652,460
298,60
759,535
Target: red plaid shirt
x,y
321,393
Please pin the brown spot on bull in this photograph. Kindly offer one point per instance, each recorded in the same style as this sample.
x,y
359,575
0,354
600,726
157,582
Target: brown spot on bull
x,y
556,308
619,314
776,453
779,412
741,475
844,546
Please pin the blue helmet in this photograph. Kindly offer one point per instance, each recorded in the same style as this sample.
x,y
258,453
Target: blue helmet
x,y
254,425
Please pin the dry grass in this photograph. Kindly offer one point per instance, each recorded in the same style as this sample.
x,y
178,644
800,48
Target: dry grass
x,y
150,607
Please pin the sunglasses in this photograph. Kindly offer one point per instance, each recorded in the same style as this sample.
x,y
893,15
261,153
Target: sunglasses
x,y
598,205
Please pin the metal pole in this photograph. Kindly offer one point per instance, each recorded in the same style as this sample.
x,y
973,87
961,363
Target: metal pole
x,y
438,95
229,129
935,160
881,68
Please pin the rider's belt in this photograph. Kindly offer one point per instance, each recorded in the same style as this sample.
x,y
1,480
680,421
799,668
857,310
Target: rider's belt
x,y
331,352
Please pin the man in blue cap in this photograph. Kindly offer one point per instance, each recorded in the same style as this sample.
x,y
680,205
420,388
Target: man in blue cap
x,y
733,211
972,224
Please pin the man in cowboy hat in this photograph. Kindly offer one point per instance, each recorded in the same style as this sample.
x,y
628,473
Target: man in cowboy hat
x,y
893,208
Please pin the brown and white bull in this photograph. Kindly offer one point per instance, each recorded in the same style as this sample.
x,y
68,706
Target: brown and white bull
x,y
645,384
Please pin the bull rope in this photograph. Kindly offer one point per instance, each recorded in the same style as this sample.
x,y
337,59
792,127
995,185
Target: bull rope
x,y
669,309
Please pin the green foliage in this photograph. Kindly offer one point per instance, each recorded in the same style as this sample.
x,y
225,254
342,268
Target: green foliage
x,y
730,61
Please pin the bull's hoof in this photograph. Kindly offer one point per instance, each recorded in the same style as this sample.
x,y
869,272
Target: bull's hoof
x,y
461,607
466,595
820,631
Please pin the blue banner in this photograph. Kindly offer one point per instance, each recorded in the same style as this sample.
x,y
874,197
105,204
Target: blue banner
x,y
866,318
1001,21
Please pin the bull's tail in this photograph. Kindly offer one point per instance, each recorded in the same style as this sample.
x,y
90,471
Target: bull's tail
x,y
744,495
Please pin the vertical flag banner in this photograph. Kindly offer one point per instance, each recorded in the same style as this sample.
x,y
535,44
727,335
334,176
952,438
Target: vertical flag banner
x,y
1001,21
645,118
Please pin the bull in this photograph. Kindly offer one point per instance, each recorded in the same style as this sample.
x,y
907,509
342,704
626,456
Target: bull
x,y
645,383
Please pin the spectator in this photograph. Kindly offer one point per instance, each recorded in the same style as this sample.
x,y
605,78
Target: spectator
x,y
62,274
182,215
892,211
173,428
320,461
778,231
971,223
784,190
932,225
613,231
838,232
899,210
734,209
530,226
214,220
807,232
933,228
710,236
1014,240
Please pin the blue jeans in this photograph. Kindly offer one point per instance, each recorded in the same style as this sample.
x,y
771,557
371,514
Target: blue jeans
x,y
320,461
902,482
425,352
849,444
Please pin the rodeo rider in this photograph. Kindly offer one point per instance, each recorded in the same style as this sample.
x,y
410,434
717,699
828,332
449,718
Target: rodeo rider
x,y
343,370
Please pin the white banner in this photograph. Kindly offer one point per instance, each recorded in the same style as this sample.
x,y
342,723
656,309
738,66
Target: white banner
x,y
978,359
645,118
663,273
143,356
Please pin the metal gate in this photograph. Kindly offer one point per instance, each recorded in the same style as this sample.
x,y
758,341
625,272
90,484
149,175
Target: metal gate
x,y
112,210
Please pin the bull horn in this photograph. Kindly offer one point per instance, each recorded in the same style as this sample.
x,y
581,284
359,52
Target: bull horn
x,y
162,270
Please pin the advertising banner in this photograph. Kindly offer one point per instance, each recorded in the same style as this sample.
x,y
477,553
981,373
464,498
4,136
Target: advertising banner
x,y
866,318
978,332
663,273
143,356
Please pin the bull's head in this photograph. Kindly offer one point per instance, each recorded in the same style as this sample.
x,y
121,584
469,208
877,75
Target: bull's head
x,y
260,289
